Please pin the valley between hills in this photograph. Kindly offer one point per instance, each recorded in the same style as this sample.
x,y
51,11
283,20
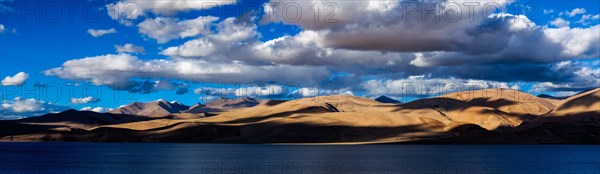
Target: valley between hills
x,y
488,116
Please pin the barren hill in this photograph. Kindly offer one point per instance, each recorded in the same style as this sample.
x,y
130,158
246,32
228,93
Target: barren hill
x,y
223,104
576,120
480,116
338,118
488,108
505,100
159,108
578,109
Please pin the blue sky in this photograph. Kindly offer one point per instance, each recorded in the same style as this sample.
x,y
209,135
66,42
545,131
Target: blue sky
x,y
365,49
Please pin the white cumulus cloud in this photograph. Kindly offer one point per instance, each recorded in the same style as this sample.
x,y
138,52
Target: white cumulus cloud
x,y
166,29
313,91
256,91
126,11
576,42
422,85
560,22
366,39
116,70
129,48
588,18
101,32
585,75
85,100
15,80
20,108
96,109
576,12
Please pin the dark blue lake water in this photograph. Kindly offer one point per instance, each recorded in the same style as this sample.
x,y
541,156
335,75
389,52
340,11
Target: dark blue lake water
x,y
265,159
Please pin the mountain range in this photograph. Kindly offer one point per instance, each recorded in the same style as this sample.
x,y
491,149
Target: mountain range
x,y
162,108
386,99
479,116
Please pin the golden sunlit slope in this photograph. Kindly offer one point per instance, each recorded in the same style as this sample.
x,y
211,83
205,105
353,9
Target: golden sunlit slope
x,y
347,118
582,102
488,111
323,110
506,100
578,109
264,109
322,104
554,100
488,108
430,115
576,120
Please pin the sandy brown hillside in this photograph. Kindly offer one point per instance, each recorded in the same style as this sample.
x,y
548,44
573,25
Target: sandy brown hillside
x,y
578,109
222,105
432,116
235,103
552,99
337,118
337,103
576,120
506,100
488,108
435,114
585,101
278,110
455,117
339,109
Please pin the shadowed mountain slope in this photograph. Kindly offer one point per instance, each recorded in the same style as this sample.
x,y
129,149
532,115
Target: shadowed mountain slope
x,y
577,120
159,108
82,119
582,108
223,104
488,108
385,99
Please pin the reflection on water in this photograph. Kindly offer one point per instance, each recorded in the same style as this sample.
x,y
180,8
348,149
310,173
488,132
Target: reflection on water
x,y
264,159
